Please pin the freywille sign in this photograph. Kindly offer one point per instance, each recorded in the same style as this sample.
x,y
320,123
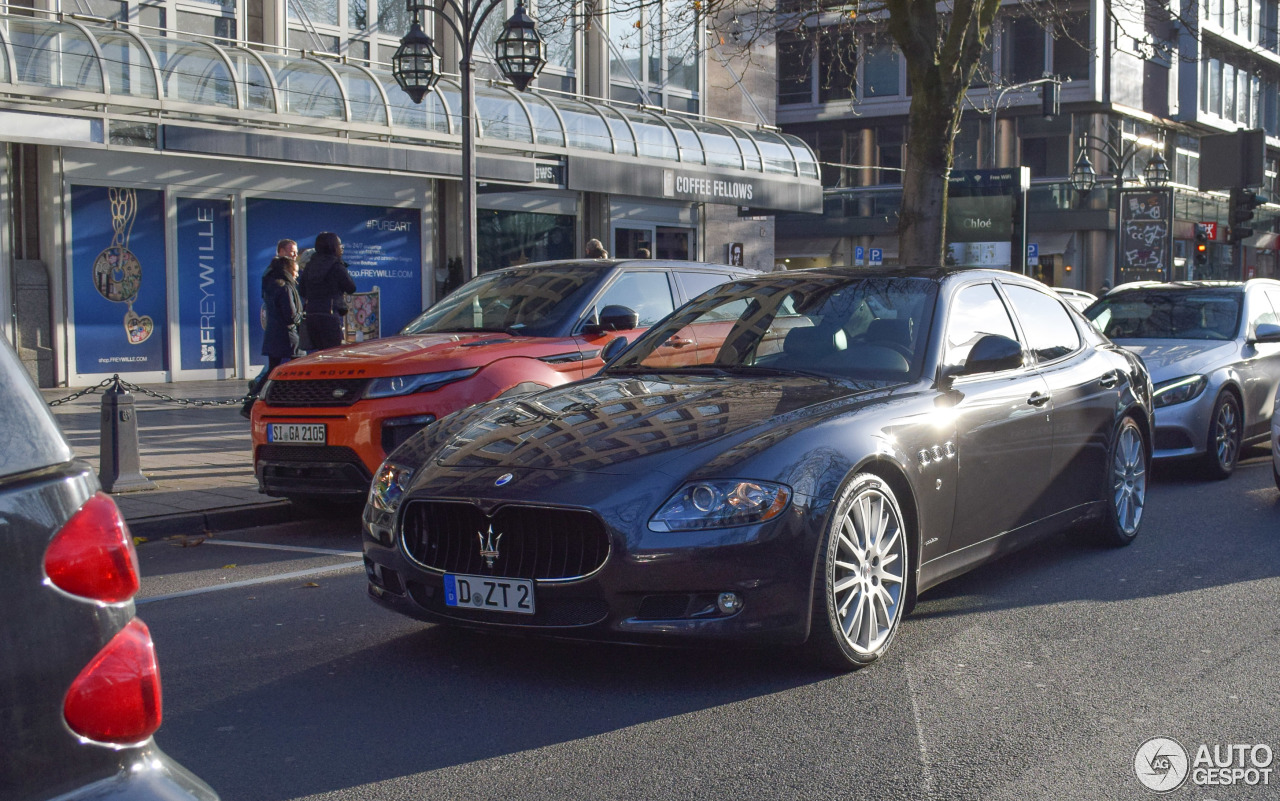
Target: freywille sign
x,y
1145,238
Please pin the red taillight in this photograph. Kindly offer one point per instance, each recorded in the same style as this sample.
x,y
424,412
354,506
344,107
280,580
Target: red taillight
x,y
116,698
93,556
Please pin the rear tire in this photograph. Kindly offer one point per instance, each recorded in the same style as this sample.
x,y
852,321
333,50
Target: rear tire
x,y
1128,463
1222,450
864,567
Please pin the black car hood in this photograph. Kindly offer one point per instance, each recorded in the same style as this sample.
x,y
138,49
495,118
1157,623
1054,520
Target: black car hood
x,y
627,425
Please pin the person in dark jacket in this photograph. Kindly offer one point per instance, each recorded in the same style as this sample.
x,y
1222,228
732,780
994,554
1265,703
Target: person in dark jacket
x,y
322,286
284,311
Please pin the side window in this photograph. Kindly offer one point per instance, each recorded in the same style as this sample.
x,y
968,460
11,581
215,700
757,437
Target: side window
x,y
1262,309
648,293
1050,332
975,312
1272,295
694,284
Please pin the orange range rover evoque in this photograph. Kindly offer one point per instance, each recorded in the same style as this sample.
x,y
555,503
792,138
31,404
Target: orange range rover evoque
x,y
327,420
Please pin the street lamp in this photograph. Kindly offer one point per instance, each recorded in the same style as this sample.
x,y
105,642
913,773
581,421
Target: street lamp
x,y
1084,178
521,54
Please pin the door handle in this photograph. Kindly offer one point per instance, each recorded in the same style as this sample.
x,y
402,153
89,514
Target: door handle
x,y
1038,399
1108,381
676,342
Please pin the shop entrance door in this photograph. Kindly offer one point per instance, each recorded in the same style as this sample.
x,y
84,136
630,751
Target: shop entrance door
x,y
628,241
662,241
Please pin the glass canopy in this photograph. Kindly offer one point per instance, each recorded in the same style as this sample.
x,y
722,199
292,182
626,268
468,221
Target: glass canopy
x,y
112,66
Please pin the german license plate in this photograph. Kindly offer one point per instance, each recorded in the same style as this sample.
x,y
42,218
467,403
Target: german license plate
x,y
489,593
297,433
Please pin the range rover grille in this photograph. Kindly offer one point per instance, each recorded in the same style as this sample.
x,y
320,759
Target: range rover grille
x,y
532,542
316,392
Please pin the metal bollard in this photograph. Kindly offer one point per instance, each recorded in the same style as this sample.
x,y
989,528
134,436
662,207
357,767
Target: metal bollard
x,y
119,465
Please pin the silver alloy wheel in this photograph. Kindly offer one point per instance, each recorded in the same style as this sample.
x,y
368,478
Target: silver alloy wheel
x,y
867,574
1226,434
1129,479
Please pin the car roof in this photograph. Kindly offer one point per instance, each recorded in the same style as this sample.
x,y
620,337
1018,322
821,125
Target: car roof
x,y
604,265
1179,286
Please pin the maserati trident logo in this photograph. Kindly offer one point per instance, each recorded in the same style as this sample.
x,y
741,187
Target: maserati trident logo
x,y
489,546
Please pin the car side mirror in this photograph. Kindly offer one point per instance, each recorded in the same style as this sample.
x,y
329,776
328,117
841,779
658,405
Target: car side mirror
x,y
614,349
1266,332
619,318
991,354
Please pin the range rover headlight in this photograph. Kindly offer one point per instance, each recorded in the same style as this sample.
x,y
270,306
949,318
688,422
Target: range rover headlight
x,y
1179,390
721,503
409,384
390,484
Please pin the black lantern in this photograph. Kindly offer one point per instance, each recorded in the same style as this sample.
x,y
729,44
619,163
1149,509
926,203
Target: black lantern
x,y
416,64
1156,173
520,52
1083,176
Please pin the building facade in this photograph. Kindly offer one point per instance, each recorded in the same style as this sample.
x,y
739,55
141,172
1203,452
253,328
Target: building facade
x,y
152,154
1140,83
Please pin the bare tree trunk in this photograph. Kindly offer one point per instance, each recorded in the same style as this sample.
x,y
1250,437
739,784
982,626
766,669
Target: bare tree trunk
x,y
923,215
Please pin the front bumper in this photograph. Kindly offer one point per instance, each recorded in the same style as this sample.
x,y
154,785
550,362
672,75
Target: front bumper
x,y
654,588
1182,430
310,470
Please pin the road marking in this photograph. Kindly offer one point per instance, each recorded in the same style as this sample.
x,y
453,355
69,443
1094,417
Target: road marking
x,y
250,582
298,548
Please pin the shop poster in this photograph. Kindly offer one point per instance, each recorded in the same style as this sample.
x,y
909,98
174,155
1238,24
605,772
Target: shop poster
x,y
381,246
118,279
206,319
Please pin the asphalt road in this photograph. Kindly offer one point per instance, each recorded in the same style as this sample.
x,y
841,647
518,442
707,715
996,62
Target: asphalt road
x,y
1036,677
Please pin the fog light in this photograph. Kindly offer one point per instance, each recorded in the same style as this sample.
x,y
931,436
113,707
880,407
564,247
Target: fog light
x,y
729,602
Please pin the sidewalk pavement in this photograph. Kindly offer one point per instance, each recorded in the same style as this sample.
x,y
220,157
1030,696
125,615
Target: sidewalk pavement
x,y
199,457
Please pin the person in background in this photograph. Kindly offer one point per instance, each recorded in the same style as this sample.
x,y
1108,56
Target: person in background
x,y
323,285
287,249
595,249
284,311
281,321
643,253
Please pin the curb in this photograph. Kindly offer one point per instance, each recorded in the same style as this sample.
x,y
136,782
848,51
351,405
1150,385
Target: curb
x,y
224,519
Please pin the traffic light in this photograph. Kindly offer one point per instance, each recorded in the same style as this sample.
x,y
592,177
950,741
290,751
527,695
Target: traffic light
x,y
1243,202
1049,102
1202,247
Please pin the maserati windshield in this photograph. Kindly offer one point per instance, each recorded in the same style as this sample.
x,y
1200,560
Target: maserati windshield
x,y
872,328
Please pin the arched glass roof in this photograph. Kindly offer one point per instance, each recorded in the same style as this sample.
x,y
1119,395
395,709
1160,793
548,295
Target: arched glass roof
x,y
227,80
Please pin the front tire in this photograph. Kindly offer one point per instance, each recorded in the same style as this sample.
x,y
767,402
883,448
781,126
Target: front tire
x,y
1225,430
1128,462
860,596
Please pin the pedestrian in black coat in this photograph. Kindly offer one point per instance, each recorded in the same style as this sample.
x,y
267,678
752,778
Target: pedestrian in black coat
x,y
322,286
284,311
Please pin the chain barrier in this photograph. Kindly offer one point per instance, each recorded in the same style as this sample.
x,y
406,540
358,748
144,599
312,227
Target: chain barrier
x,y
108,382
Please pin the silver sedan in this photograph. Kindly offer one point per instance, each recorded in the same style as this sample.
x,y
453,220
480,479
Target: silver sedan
x,y
1213,351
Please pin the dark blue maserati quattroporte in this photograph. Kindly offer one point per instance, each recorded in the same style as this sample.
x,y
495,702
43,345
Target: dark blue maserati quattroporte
x,y
790,457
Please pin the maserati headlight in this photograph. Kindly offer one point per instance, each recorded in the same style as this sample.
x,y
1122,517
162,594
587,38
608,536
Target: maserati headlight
x,y
1179,390
409,384
389,486
721,503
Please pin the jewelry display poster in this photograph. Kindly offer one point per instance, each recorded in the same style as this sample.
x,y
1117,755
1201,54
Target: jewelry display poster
x,y
118,279
381,246
206,318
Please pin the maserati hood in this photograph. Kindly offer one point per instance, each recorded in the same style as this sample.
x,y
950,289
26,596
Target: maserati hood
x,y
627,425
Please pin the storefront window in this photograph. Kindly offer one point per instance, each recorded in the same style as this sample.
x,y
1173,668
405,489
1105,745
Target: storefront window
x,y
510,238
